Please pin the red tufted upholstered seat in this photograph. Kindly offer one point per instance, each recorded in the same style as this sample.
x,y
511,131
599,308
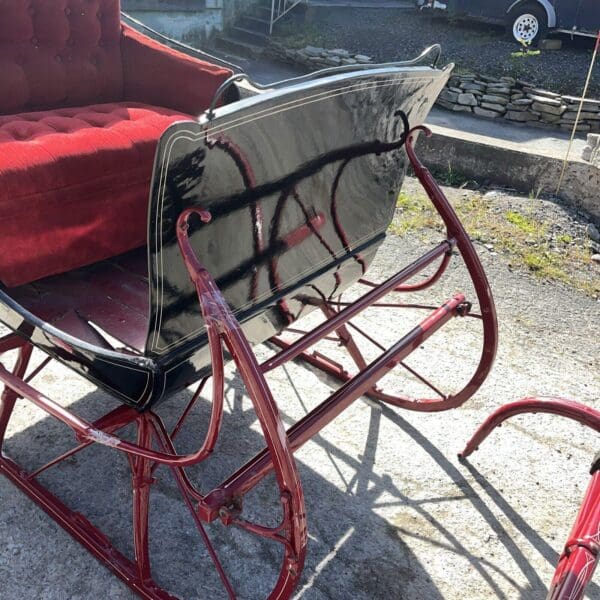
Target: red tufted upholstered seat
x,y
83,101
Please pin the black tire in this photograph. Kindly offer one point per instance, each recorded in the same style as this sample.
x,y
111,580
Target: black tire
x,y
530,20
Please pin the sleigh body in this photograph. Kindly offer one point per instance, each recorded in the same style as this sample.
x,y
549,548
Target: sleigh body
x,y
298,214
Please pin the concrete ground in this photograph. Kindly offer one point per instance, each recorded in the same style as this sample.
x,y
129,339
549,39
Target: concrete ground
x,y
391,511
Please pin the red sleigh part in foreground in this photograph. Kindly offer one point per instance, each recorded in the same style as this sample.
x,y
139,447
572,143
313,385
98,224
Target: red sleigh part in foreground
x,y
581,552
155,445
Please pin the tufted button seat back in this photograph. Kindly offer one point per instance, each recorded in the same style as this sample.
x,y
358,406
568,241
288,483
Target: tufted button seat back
x,y
84,100
59,53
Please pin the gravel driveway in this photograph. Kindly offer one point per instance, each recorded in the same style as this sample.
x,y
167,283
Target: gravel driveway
x,y
402,34
392,513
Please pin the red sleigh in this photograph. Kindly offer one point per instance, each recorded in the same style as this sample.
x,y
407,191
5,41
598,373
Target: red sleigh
x,y
144,247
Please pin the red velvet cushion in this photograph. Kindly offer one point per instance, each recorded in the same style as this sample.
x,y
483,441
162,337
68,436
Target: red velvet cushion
x,y
74,185
156,74
59,53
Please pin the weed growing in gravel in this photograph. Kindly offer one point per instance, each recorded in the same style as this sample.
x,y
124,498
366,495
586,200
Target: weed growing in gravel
x,y
524,238
547,263
525,50
525,224
451,177
565,239
417,214
522,62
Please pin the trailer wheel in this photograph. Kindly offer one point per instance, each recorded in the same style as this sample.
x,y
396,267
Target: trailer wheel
x,y
528,23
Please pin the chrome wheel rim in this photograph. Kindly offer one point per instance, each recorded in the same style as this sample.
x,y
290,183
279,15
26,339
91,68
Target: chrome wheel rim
x,y
526,27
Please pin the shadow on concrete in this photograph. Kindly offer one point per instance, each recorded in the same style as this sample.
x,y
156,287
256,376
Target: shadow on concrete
x,y
536,540
353,552
536,585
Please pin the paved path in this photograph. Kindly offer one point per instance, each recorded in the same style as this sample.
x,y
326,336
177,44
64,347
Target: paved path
x,y
534,140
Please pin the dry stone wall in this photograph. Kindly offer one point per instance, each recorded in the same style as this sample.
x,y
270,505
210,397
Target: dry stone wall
x,y
506,98
313,57
517,101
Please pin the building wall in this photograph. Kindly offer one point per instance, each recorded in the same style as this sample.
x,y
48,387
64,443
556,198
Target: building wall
x,y
233,8
192,21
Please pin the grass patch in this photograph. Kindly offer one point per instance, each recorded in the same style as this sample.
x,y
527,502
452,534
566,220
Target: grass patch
x,y
417,214
522,237
525,53
565,239
537,262
525,224
450,177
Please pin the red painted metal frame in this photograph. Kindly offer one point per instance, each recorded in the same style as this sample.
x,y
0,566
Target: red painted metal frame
x,y
581,553
155,445
337,316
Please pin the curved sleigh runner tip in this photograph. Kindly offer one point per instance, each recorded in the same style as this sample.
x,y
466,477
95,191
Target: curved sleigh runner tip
x,y
581,553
